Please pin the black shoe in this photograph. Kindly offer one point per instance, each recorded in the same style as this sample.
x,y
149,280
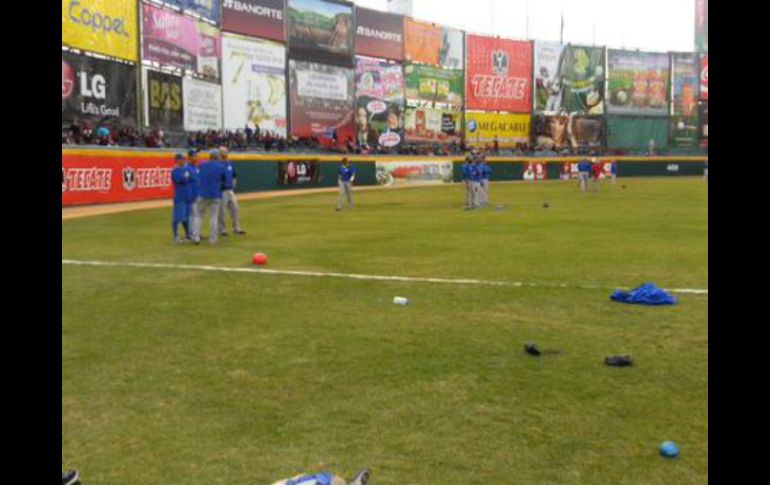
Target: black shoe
x,y
240,232
532,349
362,478
619,361
71,477
223,233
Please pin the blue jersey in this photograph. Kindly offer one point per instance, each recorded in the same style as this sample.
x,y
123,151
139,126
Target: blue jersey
x,y
584,166
347,173
180,178
486,171
193,185
467,171
614,168
316,479
476,172
230,175
212,173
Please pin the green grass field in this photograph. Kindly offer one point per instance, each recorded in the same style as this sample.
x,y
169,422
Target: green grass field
x,y
173,376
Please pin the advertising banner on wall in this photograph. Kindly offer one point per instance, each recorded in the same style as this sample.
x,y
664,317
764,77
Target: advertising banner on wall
x,y
208,9
499,74
180,41
704,77
535,170
321,98
451,55
637,133
579,83
548,88
254,84
482,129
299,172
684,122
433,125
414,172
379,34
429,86
422,42
379,103
701,25
98,90
202,104
110,176
638,83
257,18
704,124
567,131
164,105
107,27
321,30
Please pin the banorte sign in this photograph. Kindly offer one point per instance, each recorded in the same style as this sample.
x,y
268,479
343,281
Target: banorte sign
x,y
105,176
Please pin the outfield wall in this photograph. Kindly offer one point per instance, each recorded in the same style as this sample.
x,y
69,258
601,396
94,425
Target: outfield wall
x,y
106,175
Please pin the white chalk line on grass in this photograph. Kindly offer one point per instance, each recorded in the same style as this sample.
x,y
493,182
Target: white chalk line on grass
x,y
407,279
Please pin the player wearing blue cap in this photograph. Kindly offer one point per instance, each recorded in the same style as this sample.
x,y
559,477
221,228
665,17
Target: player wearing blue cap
x,y
467,171
476,183
180,177
584,172
229,201
212,173
486,173
193,190
347,174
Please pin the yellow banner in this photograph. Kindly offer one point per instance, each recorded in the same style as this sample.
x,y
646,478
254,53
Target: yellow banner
x,y
481,129
107,27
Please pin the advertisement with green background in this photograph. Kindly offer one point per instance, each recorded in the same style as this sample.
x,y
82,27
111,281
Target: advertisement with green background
x,y
426,86
635,133
684,121
581,76
638,83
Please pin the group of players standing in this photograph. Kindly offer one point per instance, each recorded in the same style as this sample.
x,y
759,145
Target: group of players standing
x,y
476,173
200,188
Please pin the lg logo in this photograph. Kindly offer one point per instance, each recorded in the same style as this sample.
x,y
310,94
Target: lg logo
x,y
91,86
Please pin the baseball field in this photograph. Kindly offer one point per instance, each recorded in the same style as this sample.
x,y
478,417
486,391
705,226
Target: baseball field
x,y
186,364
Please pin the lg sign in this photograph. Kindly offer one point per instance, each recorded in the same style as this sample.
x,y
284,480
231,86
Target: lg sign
x,y
94,86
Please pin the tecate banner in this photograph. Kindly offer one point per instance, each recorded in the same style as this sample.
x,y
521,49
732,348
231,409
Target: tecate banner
x,y
433,125
104,26
499,74
202,102
321,98
180,41
163,100
97,90
321,27
638,83
379,103
258,18
483,129
379,34
254,84
105,176
704,77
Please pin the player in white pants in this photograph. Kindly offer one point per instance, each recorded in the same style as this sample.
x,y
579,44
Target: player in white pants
x,y
229,201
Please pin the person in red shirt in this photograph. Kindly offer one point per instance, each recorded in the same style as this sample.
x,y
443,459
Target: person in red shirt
x,y
596,170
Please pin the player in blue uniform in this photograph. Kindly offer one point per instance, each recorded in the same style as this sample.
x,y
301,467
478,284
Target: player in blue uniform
x,y
467,171
614,171
347,174
486,173
212,173
476,183
180,177
193,192
584,172
229,200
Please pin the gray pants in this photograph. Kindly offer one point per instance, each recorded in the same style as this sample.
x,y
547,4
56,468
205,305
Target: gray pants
x,y
468,194
476,193
583,176
345,192
484,192
193,218
212,206
229,203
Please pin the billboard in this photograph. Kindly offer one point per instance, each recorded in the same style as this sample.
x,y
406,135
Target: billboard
x,y
452,53
321,28
258,18
428,86
97,90
414,172
163,100
208,9
637,133
701,25
684,77
180,41
704,77
578,83
638,83
109,176
299,172
321,98
535,170
379,103
704,124
482,129
105,26
254,84
202,105
567,131
379,34
548,86
432,125
499,74
422,42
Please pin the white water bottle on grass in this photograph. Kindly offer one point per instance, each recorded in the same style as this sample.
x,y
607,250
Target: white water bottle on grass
x,y
400,300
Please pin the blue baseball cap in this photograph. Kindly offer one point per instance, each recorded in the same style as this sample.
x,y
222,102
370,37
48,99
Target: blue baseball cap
x,y
192,151
179,156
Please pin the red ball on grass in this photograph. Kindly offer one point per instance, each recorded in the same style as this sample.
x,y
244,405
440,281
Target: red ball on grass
x,y
260,259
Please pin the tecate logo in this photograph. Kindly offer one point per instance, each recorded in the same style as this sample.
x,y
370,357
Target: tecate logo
x,y
67,80
96,21
91,179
